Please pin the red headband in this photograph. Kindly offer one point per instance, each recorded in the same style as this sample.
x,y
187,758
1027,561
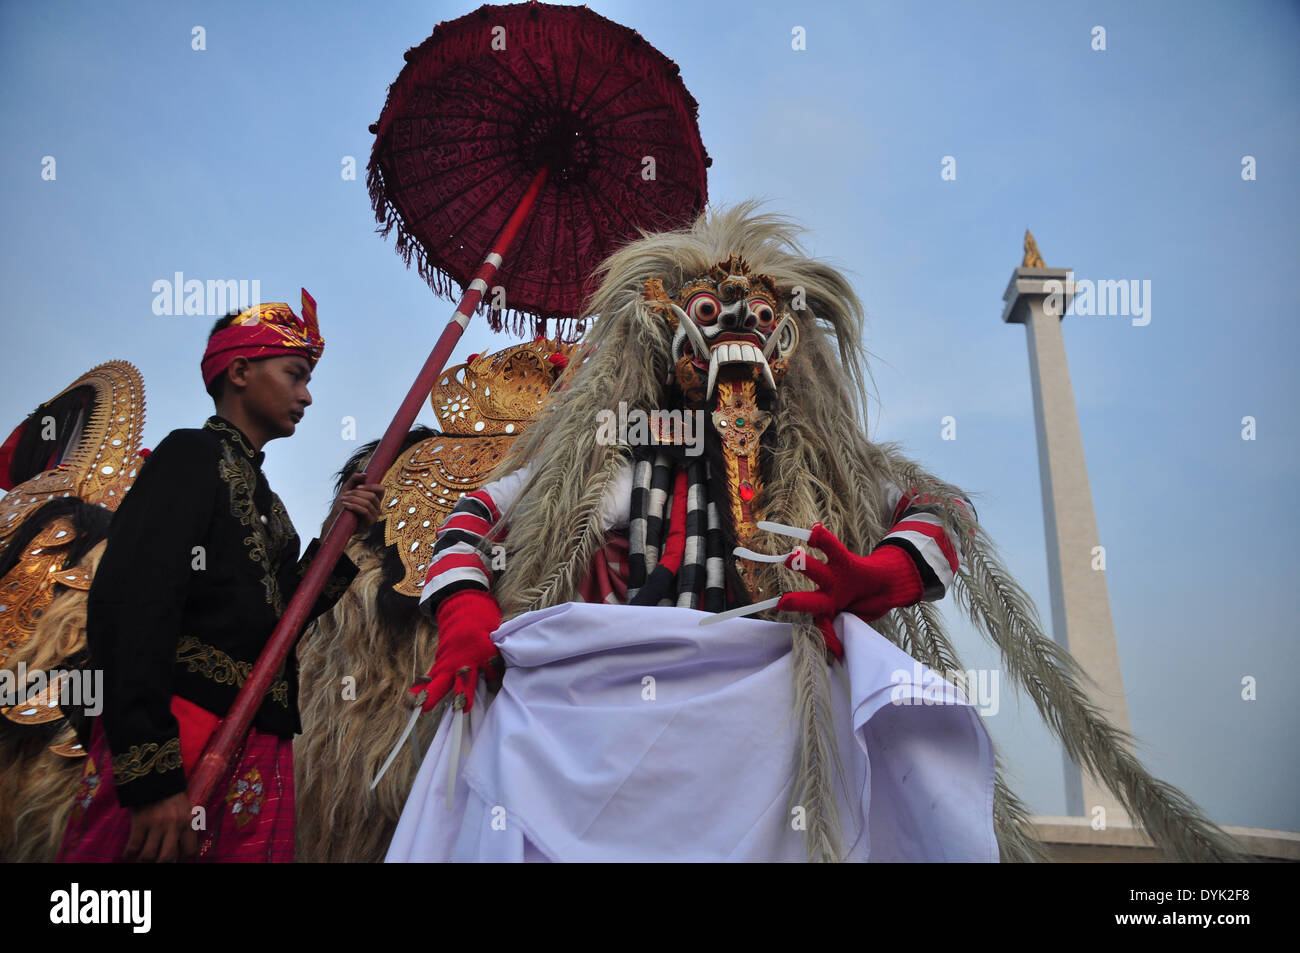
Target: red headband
x,y
266,330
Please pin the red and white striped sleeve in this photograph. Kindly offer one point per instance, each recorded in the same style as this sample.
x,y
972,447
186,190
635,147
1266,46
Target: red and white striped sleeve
x,y
933,546
461,560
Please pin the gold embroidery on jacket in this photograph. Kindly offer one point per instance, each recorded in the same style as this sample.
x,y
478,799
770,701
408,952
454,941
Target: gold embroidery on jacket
x,y
284,538
145,759
214,664
235,435
269,541
238,476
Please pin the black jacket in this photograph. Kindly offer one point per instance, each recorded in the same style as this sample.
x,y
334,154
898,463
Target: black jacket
x,y
201,561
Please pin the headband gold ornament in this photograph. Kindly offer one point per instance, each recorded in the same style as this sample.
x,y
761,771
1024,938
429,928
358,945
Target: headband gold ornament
x,y
265,330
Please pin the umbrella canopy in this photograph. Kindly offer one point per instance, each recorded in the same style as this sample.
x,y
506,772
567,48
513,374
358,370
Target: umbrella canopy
x,y
495,95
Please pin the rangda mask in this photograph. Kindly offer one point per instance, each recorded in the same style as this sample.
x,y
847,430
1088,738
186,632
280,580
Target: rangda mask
x,y
726,318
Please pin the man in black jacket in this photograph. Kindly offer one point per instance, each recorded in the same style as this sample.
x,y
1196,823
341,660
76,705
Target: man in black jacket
x,y
201,561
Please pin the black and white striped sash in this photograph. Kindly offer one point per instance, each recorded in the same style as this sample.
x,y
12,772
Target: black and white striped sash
x,y
699,583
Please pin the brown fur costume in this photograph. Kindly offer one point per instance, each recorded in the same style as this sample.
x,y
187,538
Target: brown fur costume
x,y
355,663
37,785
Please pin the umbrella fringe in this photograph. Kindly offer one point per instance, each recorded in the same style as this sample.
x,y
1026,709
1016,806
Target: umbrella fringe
x,y
514,320
442,283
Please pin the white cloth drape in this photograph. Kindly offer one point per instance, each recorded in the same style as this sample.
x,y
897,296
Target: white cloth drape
x,y
628,733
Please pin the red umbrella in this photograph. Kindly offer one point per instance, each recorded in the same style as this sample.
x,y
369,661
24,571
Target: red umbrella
x,y
510,110
493,97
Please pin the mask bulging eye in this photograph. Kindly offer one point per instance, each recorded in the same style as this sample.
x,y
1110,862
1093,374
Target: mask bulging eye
x,y
762,314
703,308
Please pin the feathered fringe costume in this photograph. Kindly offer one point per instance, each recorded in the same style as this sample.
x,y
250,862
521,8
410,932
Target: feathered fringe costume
x,y
816,464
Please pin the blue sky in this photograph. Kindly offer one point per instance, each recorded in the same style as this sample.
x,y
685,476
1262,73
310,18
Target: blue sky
x,y
1126,163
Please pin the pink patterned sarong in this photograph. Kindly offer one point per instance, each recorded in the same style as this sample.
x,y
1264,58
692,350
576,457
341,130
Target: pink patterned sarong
x,y
250,820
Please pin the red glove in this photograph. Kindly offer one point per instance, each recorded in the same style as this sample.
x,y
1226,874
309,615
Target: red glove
x,y
466,621
868,586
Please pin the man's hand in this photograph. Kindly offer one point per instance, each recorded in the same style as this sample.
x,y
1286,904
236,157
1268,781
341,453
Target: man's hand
x,y
363,499
161,831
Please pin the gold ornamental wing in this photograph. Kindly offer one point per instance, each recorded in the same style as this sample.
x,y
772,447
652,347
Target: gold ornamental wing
x,y
481,406
101,460
421,488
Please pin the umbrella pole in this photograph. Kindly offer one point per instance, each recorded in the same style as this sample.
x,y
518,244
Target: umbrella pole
x,y
234,727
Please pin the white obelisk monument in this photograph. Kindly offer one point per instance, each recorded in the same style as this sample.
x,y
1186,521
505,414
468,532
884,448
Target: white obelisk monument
x,y
1081,619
